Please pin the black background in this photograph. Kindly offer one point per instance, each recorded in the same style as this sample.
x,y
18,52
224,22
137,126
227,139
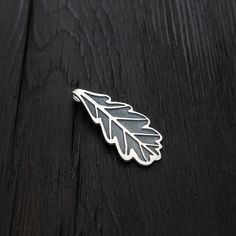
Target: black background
x,y
174,61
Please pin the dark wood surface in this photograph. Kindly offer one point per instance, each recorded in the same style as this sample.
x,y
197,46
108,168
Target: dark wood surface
x,y
174,61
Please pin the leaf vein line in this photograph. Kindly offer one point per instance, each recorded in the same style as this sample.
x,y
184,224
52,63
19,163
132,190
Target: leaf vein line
x,y
117,123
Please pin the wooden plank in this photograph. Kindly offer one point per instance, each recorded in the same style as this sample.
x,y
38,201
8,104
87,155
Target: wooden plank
x,y
14,24
171,60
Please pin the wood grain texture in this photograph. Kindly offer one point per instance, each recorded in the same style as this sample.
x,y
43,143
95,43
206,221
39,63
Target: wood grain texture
x,y
173,61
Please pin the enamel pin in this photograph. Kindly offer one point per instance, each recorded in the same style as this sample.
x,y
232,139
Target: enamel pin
x,y
122,126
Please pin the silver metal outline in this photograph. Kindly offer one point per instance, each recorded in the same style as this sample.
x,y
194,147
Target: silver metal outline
x,y
78,96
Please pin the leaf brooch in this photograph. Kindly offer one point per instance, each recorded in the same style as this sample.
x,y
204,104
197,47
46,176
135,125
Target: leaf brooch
x,y
122,126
